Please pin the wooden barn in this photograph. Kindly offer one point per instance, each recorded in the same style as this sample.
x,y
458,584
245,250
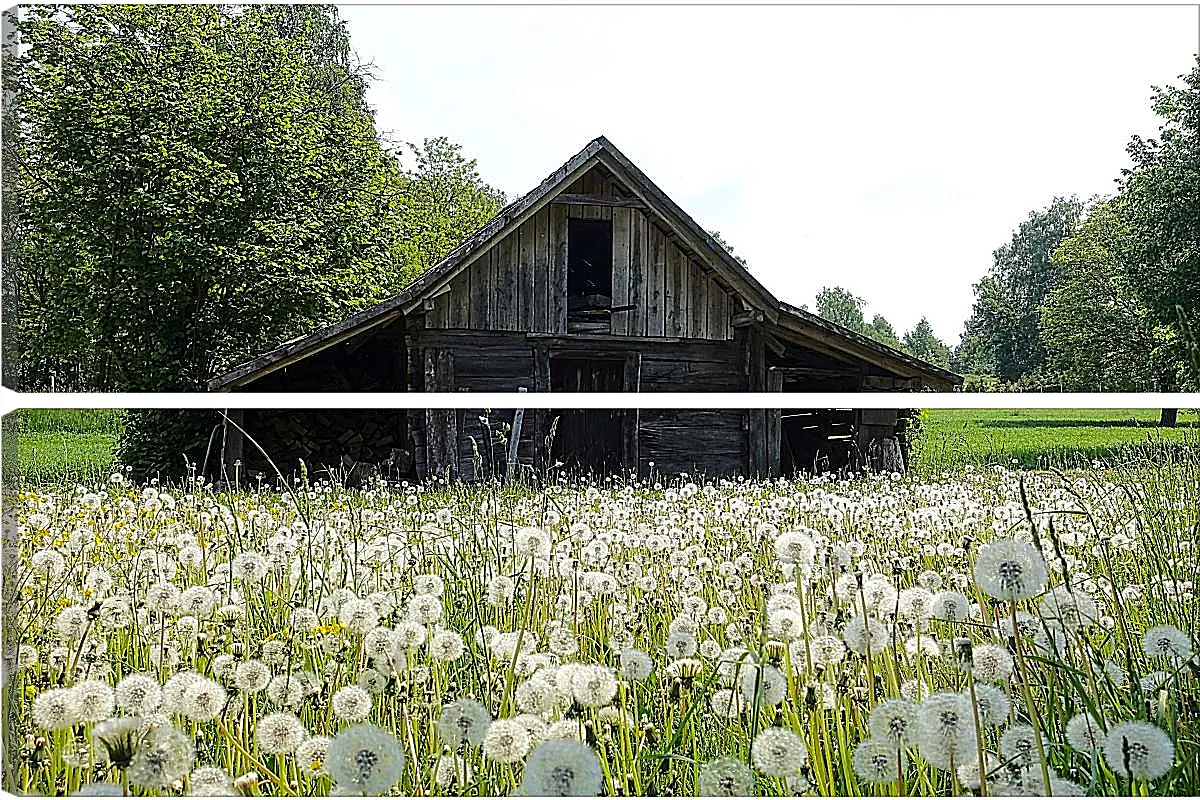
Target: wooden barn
x,y
593,281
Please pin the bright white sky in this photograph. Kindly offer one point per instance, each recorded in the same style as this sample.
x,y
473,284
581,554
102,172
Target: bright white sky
x,y
888,150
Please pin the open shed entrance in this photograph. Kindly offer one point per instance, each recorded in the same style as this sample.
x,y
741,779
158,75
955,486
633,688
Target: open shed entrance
x,y
816,440
590,440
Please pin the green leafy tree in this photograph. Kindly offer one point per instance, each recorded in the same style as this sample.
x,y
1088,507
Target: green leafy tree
x,y
1098,334
1161,206
923,344
1004,323
728,247
841,307
443,202
194,183
882,331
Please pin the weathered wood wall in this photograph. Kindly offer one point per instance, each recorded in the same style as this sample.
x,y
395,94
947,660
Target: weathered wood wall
x,y
520,283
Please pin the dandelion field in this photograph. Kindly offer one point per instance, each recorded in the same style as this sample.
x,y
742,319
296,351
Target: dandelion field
x,y
873,635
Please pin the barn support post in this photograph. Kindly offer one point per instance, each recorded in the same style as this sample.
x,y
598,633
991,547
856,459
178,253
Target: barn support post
x,y
541,416
774,423
759,449
631,420
233,447
441,424
877,440
514,441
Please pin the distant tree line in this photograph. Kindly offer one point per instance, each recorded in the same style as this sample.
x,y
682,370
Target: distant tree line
x,y
1102,295
842,307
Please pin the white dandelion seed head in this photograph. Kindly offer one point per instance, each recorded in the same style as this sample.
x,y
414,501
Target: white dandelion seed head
x,y
764,685
993,704
991,663
286,690
727,703
174,689
351,704
593,685
464,722
166,756
636,665
94,700
786,624
1085,733
562,768
429,584
535,696
946,729
209,777
1010,570
778,752
506,741
681,644
310,756
1138,749
372,680
950,606
731,664
55,709
203,700
726,777
795,547
425,608
452,771
446,646
500,591
1019,746
359,616
894,721
365,759
279,733
863,634
408,635
877,761
1167,641
1068,608
251,676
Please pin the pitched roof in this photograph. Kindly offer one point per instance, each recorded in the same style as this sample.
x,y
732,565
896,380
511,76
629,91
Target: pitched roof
x,y
601,151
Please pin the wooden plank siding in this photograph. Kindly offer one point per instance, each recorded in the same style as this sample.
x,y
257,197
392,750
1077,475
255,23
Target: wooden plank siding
x,y
519,284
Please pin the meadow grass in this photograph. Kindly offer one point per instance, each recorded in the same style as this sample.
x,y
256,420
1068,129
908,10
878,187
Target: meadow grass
x,y
799,605
63,445
1040,438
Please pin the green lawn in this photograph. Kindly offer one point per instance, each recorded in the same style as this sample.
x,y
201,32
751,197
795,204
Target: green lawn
x,y
1045,437
54,446
63,445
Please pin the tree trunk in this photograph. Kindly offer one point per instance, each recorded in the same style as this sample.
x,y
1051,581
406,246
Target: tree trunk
x,y
1168,418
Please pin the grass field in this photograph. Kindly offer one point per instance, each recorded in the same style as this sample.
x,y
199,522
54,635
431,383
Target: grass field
x,y
80,445
1042,437
61,445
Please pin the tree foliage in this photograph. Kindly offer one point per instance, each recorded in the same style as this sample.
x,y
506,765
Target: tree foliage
x,y
193,184
728,247
1098,335
1160,204
1003,329
923,344
841,307
444,201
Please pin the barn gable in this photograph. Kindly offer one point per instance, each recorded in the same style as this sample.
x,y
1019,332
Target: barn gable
x,y
596,281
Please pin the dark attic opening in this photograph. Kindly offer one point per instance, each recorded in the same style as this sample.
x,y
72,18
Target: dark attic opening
x,y
589,270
